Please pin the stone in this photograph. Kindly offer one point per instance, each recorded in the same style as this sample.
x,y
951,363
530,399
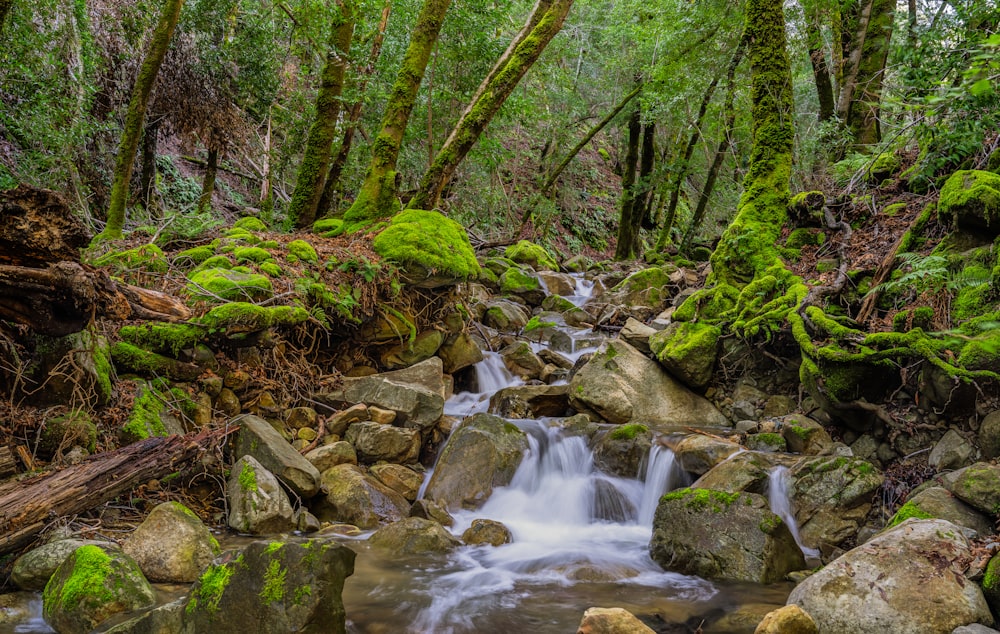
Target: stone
x,y
611,621
328,456
647,287
805,436
413,536
557,283
718,535
33,569
621,385
972,199
274,587
747,471
974,628
172,545
637,334
517,281
483,453
623,450
552,357
832,495
530,401
953,451
258,438
422,347
907,579
374,442
343,419
484,531
936,502
353,497
978,486
790,619
92,585
779,405
257,503
381,416
228,403
521,360
688,350
766,442
164,619
301,417
989,435
505,315
697,454
430,510
459,351
400,479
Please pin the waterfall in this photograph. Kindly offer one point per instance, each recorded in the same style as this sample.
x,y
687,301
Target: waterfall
x,y
582,291
491,377
779,485
662,475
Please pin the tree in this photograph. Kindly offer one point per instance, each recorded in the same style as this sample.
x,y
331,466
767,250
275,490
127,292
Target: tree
x,y
132,132
628,228
5,6
867,33
316,161
544,22
377,196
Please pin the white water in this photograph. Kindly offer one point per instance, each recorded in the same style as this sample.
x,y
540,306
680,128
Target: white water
x,y
583,291
662,475
491,377
779,483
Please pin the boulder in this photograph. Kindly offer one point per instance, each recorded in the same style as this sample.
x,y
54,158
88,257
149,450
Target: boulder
x,y
719,535
832,495
33,569
805,436
907,579
402,480
274,587
534,255
623,450
459,351
622,385
327,456
374,442
647,287
748,471
989,435
530,401
483,453
257,503
698,454
972,199
505,315
953,451
522,361
165,619
937,503
978,486
790,619
352,497
92,585
172,545
637,334
517,281
430,510
611,621
420,348
487,532
557,283
413,536
259,439
688,350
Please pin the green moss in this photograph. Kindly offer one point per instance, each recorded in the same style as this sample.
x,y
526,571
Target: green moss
x,y
76,425
770,439
148,257
894,210
303,251
271,269
228,285
144,421
245,317
971,194
273,547
88,581
250,223
248,478
801,237
770,523
163,337
536,323
428,239
649,283
525,252
239,235
196,255
211,585
150,364
301,593
515,281
328,227
991,578
884,166
251,254
708,304
702,499
274,582
907,511
628,431
214,262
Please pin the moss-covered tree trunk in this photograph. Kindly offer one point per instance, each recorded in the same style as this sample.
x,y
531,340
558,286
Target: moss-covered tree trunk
x,y
749,244
5,7
132,133
867,31
628,227
208,183
147,179
544,22
377,197
316,159
821,70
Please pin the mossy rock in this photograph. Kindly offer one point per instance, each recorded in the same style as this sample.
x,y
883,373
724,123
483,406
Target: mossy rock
x,y
237,234
250,223
688,351
883,166
251,254
302,250
972,199
894,209
271,269
148,257
152,413
525,252
64,431
161,337
801,237
328,227
196,255
131,359
228,285
246,317
981,353
643,288
428,246
498,266
515,281
213,262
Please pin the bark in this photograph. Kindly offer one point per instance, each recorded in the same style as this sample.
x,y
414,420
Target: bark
x,y
147,179
647,162
208,183
5,7
377,197
316,160
543,24
28,506
821,70
132,132
628,227
748,246
866,49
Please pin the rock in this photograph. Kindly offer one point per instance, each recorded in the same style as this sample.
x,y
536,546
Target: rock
x,y
300,417
518,282
832,496
459,351
413,536
259,439
552,357
416,393
621,385
779,405
688,350
790,619
487,532
557,283
375,442
697,454
33,569
623,450
937,503
978,486
748,471
228,403
328,456
355,498
989,435
88,373
766,442
483,453
907,579
953,451
643,288
430,510
424,346
274,587
637,335
974,628
534,255
165,619
381,416
744,618
611,621
92,585
522,361
60,433
720,535
505,315
611,504
400,479
339,422
972,199
257,503
805,436
172,545
530,401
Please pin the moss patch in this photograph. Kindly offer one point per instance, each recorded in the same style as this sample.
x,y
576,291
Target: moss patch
x,y
163,337
702,499
430,240
906,512
250,223
246,317
628,431
211,585
148,257
228,285
91,569
302,250
525,252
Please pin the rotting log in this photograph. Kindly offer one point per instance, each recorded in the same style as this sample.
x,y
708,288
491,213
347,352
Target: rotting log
x,y
27,506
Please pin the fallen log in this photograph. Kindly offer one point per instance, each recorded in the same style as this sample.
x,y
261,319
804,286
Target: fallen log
x,y
27,506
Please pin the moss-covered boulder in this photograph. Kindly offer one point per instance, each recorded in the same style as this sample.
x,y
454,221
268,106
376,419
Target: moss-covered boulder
x,y
61,433
505,316
413,536
71,366
978,486
241,317
534,255
218,284
936,502
804,435
130,359
431,249
148,258
623,450
172,545
422,347
33,569
647,287
154,412
301,251
688,351
832,496
257,503
92,585
354,497
972,199
720,535
516,281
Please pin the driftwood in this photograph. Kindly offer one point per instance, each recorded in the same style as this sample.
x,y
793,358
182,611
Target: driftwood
x,y
27,506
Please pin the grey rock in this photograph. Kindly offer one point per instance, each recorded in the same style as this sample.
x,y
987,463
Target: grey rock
x,y
257,503
172,545
259,439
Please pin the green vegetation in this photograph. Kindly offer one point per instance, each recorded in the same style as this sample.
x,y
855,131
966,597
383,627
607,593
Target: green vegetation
x,y
88,581
907,511
428,239
628,431
211,585
702,499
274,582
536,256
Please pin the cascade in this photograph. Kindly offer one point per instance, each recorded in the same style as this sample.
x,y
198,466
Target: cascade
x,y
779,485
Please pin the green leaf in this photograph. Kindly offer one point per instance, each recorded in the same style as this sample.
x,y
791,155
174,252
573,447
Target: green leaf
x,y
981,87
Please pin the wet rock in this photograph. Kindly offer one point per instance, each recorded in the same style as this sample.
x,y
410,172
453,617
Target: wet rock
x,y
557,283
611,621
623,450
611,504
92,585
487,532
937,503
522,361
172,545
779,405
483,453
832,496
228,403
352,497
430,510
908,579
530,401
259,439
766,442
274,587
688,351
165,619
720,535
375,442
328,456
621,385
953,451
33,569
637,335
413,536
790,619
978,486
459,351
400,479
697,454
257,503
552,357
748,471
505,315
805,436
647,287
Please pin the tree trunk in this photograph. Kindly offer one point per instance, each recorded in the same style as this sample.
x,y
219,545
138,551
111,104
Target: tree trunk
x,y
647,162
208,183
863,113
543,24
377,197
147,180
5,7
628,225
821,70
316,160
132,132
749,244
